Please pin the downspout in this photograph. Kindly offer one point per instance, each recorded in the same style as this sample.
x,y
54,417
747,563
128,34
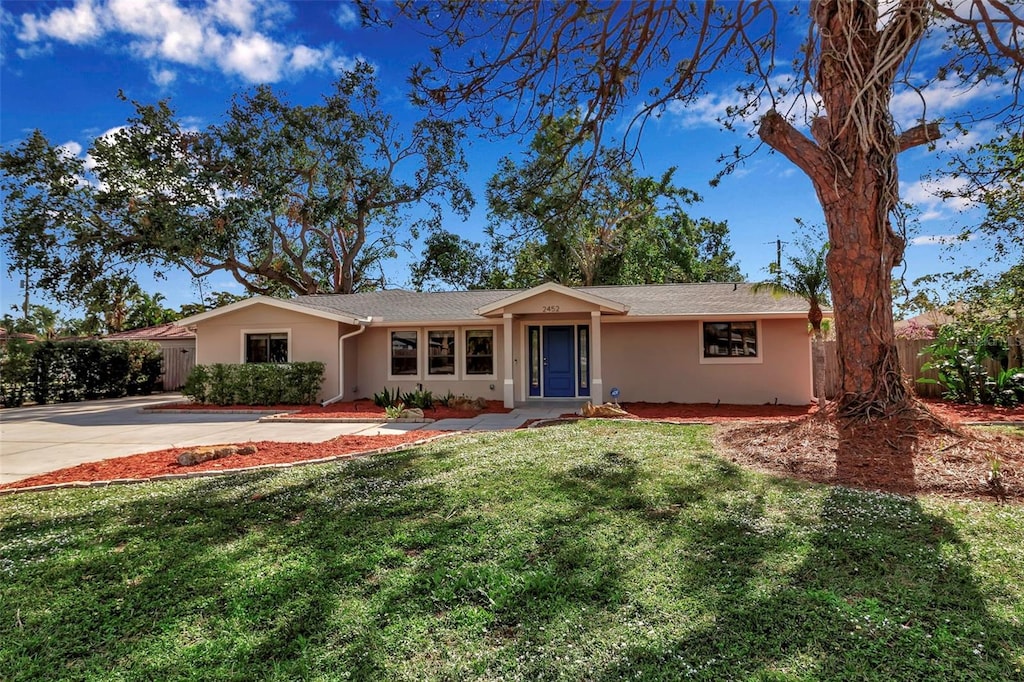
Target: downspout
x,y
341,360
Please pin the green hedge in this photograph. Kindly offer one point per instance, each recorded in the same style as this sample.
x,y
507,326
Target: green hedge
x,y
294,383
67,371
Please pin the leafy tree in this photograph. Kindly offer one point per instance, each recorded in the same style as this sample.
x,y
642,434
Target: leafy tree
x,y
616,227
806,276
511,65
993,175
284,198
452,262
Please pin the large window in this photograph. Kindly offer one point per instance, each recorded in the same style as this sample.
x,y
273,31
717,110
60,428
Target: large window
x,y
266,347
730,339
440,352
404,354
479,352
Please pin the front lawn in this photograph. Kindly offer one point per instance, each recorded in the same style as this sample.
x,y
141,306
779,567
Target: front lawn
x,y
592,550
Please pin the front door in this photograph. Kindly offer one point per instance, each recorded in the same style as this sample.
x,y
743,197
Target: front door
x,y
559,361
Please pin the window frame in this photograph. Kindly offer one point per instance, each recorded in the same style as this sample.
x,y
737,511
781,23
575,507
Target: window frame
x,y
390,358
463,354
454,376
731,359
243,340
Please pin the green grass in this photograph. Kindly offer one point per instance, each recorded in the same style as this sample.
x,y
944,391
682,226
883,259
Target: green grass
x,y
591,551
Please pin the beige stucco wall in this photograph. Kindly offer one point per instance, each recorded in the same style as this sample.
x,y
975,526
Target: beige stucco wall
x,y
374,363
311,338
550,302
661,362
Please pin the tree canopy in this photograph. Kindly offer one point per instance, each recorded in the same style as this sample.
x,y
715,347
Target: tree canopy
x,y
285,198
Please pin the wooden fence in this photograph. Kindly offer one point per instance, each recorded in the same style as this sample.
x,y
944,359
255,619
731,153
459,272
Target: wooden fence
x,y
178,362
911,360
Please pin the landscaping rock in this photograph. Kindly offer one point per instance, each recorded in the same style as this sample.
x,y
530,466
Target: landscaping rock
x,y
208,452
606,410
411,413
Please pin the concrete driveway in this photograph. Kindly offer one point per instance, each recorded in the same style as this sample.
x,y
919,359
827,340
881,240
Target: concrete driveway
x,y
35,440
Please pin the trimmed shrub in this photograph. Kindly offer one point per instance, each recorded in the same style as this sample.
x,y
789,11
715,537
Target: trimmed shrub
x,y
15,372
295,383
68,371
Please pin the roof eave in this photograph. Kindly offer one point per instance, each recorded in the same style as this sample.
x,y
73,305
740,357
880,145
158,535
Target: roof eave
x,y
346,318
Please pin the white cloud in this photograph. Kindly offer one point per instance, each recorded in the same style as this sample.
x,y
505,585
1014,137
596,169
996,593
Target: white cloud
x,y
77,24
304,58
256,58
940,98
163,77
706,110
927,196
238,37
346,16
239,14
936,239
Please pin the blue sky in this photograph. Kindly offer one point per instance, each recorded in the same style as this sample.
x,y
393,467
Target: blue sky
x,y
64,62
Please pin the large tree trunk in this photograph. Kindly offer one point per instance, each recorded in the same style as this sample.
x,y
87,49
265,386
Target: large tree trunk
x,y
852,164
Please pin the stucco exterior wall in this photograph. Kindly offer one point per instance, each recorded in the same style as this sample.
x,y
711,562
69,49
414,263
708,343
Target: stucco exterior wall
x,y
222,339
661,362
374,347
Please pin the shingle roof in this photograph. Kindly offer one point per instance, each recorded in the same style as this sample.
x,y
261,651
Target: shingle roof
x,y
644,301
161,332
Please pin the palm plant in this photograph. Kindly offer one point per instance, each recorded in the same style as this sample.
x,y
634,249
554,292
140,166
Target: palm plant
x,y
806,276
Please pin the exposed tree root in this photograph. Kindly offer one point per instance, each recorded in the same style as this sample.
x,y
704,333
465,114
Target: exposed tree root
x,y
945,459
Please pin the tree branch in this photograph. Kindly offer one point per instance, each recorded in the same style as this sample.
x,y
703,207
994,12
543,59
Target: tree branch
x,y
918,135
780,135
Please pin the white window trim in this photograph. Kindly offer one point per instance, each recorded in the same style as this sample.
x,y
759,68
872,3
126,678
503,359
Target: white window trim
x,y
731,359
427,376
461,347
419,353
261,330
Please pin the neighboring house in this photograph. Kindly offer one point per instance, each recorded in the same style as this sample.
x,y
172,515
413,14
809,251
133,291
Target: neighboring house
x,y
661,343
179,350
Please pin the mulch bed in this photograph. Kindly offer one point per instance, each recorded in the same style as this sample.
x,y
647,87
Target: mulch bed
x,y
358,409
953,462
163,462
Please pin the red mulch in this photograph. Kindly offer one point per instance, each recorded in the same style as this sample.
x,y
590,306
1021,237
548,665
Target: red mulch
x,y
957,413
164,462
708,412
358,409
366,409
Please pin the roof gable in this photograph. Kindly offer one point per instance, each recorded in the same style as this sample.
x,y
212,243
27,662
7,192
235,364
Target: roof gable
x,y
339,316
549,295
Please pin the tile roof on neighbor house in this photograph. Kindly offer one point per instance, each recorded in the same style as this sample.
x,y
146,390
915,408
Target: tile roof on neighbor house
x,y
161,332
654,300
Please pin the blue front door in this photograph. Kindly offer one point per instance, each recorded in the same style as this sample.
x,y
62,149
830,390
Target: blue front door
x,y
559,360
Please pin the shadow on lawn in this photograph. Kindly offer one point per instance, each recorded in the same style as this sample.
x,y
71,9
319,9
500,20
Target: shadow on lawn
x,y
304,575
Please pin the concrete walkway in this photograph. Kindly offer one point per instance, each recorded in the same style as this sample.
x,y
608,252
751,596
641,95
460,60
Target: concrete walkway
x,y
36,440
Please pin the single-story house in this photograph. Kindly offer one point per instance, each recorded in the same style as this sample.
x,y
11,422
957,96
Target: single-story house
x,y
660,343
178,345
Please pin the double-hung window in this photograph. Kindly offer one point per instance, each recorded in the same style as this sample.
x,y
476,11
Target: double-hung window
x,y
479,352
404,353
441,352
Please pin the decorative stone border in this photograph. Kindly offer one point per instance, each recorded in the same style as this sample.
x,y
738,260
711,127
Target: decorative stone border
x,y
287,418
234,410
225,472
